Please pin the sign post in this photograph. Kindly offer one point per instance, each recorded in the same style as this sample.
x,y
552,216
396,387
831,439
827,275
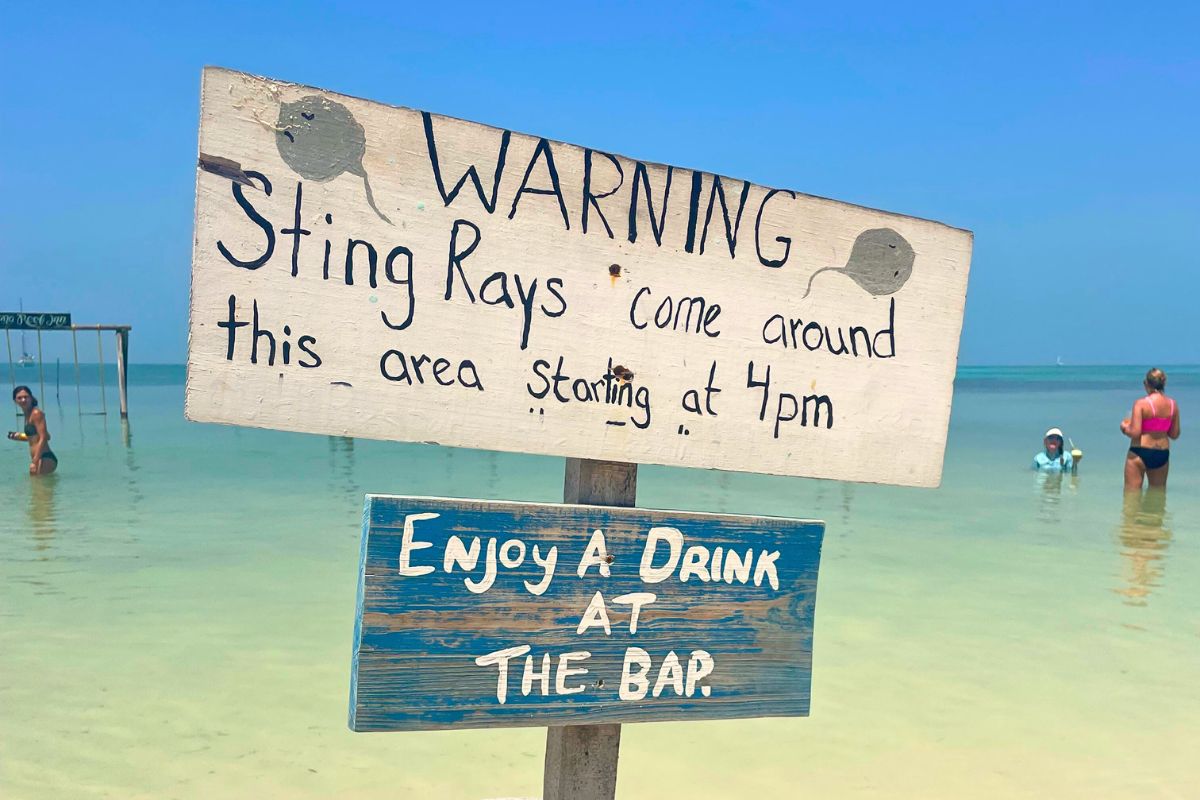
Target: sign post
x,y
581,760
376,271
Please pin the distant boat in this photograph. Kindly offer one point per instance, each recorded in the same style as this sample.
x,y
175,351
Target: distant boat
x,y
1060,362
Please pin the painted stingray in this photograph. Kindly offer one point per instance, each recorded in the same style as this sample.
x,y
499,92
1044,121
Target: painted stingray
x,y
881,262
320,139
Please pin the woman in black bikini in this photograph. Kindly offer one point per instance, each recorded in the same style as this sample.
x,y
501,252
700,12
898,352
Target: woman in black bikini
x,y
1152,424
42,460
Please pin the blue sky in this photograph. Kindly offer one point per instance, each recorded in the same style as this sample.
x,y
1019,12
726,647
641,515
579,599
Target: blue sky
x,y
1065,137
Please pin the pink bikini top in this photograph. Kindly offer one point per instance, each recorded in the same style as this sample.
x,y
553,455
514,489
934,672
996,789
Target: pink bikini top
x,y
1157,424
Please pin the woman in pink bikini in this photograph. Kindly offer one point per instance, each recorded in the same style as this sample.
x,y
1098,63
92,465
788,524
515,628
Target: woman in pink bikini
x,y
1152,424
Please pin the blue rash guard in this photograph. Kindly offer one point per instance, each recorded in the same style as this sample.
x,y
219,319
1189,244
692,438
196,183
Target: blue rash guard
x,y
1056,464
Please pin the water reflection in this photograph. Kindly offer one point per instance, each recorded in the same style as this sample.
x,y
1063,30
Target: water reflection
x,y
1144,536
341,466
42,517
1049,488
847,502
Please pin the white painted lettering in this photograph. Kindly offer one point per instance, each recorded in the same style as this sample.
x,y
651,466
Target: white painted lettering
x,y
694,560
634,684
565,671
489,572
547,566
407,545
596,614
671,671
700,665
737,568
501,658
510,561
674,539
636,600
530,675
456,553
766,566
596,553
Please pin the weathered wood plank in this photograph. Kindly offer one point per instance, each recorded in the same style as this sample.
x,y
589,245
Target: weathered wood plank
x,y
373,271
745,638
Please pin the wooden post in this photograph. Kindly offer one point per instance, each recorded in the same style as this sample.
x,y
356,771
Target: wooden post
x,y
100,355
123,369
12,375
75,352
581,760
41,371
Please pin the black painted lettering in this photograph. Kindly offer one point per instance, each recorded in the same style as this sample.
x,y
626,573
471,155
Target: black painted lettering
x,y
526,306
303,343
590,199
501,296
256,334
439,369
552,286
402,374
296,231
841,341
710,317
764,384
468,376
642,399
457,256
417,363
656,226
715,192
774,330
448,197
406,281
866,338
693,211
372,261
231,324
542,151
889,333
784,240
257,219
537,368
812,326
710,389
633,308
816,402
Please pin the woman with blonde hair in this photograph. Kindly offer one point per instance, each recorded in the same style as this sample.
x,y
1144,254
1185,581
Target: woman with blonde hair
x,y
1152,424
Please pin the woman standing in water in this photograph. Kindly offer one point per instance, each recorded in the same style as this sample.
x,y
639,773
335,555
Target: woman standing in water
x,y
1152,424
42,460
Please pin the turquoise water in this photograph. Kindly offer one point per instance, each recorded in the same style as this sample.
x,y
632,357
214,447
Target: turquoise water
x,y
176,609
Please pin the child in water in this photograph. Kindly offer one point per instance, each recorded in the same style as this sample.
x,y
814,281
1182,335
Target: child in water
x,y
1053,457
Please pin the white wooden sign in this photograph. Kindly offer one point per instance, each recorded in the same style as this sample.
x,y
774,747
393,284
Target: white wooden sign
x,y
373,271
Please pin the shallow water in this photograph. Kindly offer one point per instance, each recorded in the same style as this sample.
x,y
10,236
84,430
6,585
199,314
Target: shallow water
x,y
176,609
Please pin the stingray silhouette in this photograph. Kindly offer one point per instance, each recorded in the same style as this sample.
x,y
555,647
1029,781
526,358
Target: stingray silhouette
x,y
320,139
881,262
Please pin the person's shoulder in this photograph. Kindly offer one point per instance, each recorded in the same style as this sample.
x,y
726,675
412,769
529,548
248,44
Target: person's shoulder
x,y
35,414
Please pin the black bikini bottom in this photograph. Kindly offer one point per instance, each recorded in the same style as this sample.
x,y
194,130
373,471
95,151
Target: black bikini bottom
x,y
1152,458
50,454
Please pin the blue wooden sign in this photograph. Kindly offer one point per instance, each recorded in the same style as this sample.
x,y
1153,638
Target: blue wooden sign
x,y
487,614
